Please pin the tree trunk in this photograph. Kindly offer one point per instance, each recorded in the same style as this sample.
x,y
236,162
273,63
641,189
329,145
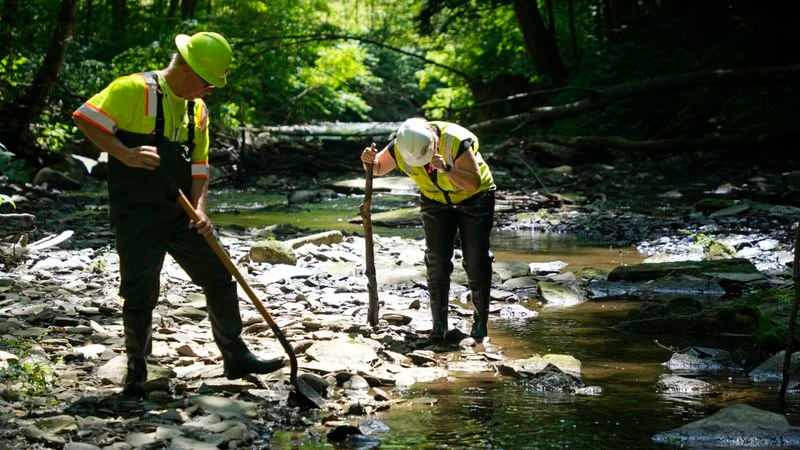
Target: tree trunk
x,y
188,8
8,22
119,12
540,43
573,36
30,103
173,8
787,357
88,20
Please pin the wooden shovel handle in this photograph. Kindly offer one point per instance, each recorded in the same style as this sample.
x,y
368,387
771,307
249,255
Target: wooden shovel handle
x,y
226,260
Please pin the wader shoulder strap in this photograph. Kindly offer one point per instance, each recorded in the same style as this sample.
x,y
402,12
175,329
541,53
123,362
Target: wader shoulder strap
x,y
190,130
152,78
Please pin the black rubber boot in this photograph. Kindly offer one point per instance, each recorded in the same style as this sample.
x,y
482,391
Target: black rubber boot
x,y
439,296
138,344
480,314
226,325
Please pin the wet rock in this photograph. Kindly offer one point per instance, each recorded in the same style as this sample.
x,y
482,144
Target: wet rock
x,y
736,426
516,312
342,432
674,384
566,363
560,296
772,368
730,274
550,379
542,268
225,407
703,359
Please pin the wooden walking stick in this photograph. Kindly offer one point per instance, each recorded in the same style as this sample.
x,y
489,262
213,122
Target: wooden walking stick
x,y
369,255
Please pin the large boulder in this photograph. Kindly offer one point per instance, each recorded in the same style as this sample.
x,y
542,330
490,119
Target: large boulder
x,y
737,426
730,274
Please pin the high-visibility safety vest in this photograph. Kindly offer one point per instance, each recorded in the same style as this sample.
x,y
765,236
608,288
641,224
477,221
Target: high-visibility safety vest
x,y
129,104
435,185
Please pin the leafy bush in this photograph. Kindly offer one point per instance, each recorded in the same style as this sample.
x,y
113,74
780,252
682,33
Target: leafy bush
x,y
30,376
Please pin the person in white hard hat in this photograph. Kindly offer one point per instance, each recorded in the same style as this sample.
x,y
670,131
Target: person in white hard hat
x,y
456,197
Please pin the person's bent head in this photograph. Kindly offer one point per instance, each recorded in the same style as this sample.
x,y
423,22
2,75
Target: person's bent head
x,y
416,141
208,54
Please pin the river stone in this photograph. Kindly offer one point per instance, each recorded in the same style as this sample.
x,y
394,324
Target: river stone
x,y
344,352
566,363
520,282
398,218
550,379
516,312
325,238
80,446
674,384
184,443
393,184
703,359
772,368
720,271
559,295
225,407
505,270
739,425
273,252
55,180
540,268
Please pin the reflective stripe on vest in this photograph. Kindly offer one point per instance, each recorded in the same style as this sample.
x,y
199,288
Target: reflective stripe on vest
x,y
436,186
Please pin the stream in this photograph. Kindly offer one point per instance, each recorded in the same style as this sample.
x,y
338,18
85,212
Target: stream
x,y
486,410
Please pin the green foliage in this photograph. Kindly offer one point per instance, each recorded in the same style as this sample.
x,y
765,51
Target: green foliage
x,y
28,376
13,169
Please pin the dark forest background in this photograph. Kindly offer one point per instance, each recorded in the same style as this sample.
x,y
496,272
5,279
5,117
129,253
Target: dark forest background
x,y
630,74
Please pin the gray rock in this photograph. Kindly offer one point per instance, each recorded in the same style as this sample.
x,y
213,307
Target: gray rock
x,y
737,426
674,384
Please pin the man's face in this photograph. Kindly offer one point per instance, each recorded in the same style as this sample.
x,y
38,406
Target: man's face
x,y
194,86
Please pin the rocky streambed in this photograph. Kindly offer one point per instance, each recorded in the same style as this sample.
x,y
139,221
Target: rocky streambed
x,y
62,357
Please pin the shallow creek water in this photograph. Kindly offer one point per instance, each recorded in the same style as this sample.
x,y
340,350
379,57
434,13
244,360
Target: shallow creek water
x,y
486,410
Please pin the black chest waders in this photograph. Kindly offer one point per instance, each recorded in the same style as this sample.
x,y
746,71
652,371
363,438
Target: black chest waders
x,y
148,223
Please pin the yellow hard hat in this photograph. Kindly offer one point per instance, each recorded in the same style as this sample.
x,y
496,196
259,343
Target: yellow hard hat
x,y
208,54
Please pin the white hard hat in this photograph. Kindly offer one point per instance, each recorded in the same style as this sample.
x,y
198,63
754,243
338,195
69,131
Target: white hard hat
x,y
415,142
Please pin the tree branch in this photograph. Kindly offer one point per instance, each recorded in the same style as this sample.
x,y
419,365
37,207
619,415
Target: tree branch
x,y
668,83
366,40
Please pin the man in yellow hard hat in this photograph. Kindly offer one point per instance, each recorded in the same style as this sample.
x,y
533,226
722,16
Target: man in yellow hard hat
x,y
456,198
155,122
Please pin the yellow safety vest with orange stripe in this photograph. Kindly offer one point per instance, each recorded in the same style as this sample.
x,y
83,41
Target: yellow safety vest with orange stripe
x,y
435,185
129,104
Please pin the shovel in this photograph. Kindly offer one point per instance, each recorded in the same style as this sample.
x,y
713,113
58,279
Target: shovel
x,y
303,394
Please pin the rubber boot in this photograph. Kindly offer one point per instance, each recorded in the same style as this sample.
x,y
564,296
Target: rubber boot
x,y
439,296
138,344
480,314
226,325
